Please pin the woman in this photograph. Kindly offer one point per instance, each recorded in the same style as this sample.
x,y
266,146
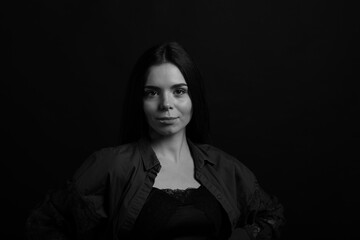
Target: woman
x,y
163,182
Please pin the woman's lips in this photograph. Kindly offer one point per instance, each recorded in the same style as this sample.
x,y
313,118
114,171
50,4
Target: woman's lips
x,y
167,120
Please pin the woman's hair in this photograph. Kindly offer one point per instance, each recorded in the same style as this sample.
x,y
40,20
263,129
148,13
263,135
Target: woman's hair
x,y
134,125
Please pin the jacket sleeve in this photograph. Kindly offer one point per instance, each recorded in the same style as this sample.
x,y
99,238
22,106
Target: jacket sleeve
x,y
264,216
261,214
76,210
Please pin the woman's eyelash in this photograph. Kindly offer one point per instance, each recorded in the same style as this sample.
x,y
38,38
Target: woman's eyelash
x,y
150,93
181,90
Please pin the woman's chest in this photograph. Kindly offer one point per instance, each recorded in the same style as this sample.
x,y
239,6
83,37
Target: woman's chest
x,y
176,176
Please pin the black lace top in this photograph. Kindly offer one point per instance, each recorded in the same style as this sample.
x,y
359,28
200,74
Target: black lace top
x,y
181,214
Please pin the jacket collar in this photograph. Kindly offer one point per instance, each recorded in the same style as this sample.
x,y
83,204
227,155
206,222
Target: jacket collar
x,y
148,155
150,160
199,155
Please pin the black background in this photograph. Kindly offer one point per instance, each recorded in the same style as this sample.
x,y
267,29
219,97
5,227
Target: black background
x,y
281,82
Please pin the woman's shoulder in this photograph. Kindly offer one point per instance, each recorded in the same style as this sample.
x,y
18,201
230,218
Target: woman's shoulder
x,y
117,154
108,159
118,150
224,159
216,154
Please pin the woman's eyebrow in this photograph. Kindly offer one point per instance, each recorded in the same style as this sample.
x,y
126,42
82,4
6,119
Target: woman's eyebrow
x,y
151,87
179,85
172,87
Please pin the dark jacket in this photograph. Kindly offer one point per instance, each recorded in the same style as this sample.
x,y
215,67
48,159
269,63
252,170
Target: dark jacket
x,y
107,193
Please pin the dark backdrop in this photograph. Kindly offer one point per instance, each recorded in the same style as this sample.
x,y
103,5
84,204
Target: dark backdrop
x,y
281,83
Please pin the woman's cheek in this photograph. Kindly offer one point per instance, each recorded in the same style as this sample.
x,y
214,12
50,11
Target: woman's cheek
x,y
187,106
149,107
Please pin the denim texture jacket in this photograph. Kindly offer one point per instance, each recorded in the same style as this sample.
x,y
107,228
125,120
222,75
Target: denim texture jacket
x,y
107,193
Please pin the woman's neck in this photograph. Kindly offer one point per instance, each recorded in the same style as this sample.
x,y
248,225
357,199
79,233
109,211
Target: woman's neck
x,y
172,148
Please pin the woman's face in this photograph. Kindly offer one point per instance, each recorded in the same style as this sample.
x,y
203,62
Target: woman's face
x,y
167,105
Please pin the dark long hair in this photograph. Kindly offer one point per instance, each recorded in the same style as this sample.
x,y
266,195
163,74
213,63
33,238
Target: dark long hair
x,y
134,125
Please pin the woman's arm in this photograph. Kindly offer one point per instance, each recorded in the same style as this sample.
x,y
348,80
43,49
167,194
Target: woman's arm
x,y
261,214
73,212
265,215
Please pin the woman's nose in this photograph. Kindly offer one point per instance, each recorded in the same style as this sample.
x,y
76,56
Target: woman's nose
x,y
166,103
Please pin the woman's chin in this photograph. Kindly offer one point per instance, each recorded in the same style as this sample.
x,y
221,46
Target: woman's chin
x,y
168,132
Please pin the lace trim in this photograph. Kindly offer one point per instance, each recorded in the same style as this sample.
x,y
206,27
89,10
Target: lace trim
x,y
179,194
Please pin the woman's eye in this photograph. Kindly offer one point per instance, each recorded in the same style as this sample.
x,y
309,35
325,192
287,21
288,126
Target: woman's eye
x,y
150,93
180,91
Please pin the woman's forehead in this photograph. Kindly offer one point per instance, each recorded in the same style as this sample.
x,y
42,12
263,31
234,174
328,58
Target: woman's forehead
x,y
164,75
